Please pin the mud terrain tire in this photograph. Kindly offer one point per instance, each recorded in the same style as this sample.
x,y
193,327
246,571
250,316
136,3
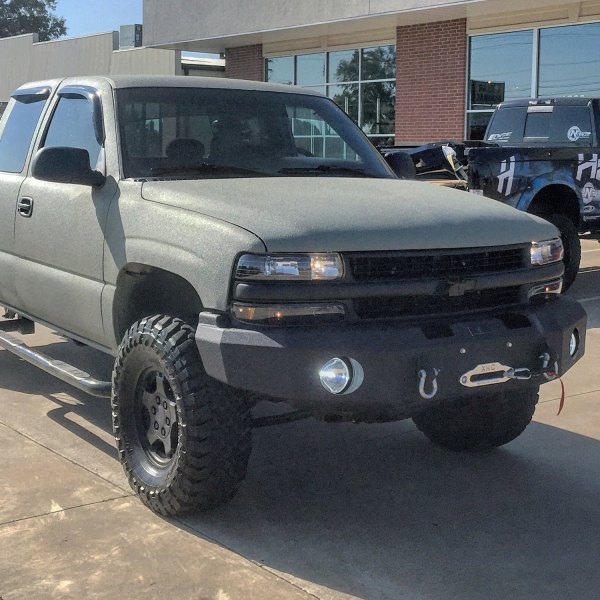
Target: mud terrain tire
x,y
572,246
183,438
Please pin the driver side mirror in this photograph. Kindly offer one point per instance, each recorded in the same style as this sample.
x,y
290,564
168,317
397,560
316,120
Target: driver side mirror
x,y
66,165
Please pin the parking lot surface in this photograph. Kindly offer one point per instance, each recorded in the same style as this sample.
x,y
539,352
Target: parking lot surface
x,y
327,511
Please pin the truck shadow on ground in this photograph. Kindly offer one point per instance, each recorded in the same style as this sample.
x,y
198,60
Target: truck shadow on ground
x,y
27,379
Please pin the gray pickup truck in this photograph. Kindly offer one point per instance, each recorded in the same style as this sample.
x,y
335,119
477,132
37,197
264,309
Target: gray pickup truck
x,y
229,241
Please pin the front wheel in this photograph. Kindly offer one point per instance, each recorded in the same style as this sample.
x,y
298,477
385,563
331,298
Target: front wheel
x,y
572,247
183,438
478,422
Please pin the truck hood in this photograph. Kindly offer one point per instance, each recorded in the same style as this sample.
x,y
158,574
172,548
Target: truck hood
x,y
312,214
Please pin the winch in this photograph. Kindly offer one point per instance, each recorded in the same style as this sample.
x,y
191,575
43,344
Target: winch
x,y
495,373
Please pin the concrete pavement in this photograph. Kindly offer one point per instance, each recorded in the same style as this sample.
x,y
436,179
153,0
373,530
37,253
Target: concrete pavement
x,y
327,511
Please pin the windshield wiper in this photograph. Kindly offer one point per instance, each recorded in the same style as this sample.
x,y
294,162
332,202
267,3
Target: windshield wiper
x,y
206,168
324,170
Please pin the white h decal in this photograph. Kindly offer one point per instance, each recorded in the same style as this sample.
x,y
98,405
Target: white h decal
x,y
507,173
591,164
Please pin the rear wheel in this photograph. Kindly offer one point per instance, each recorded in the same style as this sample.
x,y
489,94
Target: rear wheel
x,y
572,246
478,423
183,438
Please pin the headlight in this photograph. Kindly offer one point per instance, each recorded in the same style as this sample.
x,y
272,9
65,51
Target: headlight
x,y
544,253
296,267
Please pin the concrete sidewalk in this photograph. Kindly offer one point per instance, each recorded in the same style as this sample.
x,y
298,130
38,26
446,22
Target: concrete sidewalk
x,y
327,511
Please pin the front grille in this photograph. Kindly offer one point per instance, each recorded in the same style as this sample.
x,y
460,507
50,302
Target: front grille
x,y
431,306
395,266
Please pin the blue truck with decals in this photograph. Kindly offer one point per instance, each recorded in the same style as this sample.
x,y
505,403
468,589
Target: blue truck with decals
x,y
542,156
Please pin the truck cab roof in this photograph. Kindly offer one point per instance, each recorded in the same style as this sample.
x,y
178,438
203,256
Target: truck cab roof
x,y
174,81
545,102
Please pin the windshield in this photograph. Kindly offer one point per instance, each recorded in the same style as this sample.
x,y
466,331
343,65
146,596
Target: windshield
x,y
191,133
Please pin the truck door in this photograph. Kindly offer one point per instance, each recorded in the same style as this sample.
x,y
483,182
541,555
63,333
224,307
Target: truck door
x,y
17,129
59,227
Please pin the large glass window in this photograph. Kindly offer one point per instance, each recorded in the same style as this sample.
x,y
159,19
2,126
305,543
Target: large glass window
x,y
500,68
361,81
343,66
378,63
570,61
280,69
346,97
310,69
378,107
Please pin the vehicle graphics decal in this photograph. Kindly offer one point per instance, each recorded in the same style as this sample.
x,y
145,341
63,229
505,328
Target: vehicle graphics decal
x,y
507,174
590,193
575,134
587,176
593,164
500,137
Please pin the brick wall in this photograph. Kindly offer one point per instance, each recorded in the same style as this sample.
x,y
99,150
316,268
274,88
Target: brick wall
x,y
245,62
431,72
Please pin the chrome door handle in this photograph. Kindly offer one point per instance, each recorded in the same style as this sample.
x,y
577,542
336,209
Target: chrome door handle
x,y
25,207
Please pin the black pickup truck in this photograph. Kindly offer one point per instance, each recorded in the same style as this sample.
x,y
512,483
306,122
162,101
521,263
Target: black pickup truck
x,y
542,156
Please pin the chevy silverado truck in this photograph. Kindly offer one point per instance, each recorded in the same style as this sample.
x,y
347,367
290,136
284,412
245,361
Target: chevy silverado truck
x,y
229,241
542,157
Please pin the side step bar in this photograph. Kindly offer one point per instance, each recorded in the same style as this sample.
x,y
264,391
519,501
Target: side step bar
x,y
67,373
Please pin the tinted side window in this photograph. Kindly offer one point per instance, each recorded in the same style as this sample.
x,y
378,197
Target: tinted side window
x,y
72,126
20,121
571,125
507,125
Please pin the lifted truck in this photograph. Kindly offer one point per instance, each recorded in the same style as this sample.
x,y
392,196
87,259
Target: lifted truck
x,y
227,241
544,160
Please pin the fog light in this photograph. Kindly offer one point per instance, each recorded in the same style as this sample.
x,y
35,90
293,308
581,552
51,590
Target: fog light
x,y
336,375
574,343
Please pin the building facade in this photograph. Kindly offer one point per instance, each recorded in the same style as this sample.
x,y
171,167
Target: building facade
x,y
406,71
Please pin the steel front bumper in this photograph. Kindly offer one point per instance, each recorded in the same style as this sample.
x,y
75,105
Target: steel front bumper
x,y
285,363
